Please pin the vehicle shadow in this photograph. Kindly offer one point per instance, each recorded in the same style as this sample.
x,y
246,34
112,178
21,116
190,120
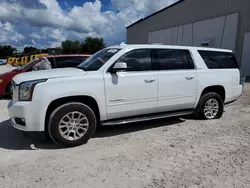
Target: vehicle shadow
x,y
12,139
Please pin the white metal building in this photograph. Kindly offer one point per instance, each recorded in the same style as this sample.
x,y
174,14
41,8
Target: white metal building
x,y
216,23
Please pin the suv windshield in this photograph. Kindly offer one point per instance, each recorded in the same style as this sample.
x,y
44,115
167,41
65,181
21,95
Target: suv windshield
x,y
96,61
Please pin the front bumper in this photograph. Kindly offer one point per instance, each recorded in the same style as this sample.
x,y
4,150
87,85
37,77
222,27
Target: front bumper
x,y
29,112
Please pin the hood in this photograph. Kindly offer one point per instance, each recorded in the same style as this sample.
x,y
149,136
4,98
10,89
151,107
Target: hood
x,y
48,74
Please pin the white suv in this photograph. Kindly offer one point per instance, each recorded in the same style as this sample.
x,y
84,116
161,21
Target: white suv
x,y
124,84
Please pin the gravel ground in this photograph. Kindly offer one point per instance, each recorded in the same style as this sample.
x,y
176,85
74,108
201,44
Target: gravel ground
x,y
168,153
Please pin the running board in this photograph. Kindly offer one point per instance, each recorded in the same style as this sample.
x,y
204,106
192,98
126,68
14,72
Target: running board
x,y
146,118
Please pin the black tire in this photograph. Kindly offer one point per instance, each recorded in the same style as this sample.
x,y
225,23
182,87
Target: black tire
x,y
199,111
57,115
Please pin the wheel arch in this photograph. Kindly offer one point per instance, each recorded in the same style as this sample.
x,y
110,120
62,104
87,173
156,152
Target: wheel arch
x,y
87,100
220,90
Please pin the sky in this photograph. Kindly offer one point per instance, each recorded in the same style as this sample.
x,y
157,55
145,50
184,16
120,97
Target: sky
x,y
46,23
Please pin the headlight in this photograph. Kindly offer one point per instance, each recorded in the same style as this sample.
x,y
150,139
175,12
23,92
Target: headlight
x,y
26,89
1,81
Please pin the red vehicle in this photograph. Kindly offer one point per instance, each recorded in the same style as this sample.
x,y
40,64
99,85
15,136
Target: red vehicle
x,y
55,61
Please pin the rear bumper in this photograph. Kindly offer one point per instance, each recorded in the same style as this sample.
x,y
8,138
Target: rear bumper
x,y
234,94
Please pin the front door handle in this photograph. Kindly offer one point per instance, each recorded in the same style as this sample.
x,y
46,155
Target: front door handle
x,y
149,81
189,78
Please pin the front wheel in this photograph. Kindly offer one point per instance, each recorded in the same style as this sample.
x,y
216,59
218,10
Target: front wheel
x,y
211,106
72,124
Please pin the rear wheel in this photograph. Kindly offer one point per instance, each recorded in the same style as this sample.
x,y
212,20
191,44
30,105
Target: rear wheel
x,y
72,124
211,106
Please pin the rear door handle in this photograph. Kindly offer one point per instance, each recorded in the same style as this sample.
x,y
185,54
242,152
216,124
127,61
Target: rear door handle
x,y
149,81
189,78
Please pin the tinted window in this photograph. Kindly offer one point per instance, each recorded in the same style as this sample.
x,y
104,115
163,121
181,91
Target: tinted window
x,y
219,60
137,60
171,59
62,62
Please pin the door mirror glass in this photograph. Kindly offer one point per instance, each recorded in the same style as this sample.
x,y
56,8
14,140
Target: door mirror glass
x,y
119,66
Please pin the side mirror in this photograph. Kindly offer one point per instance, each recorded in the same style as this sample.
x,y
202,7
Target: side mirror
x,y
119,66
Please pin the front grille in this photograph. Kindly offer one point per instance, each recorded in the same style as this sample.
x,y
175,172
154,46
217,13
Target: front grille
x,y
14,92
13,85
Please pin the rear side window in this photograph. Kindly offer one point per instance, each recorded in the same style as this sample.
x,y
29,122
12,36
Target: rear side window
x,y
219,60
70,61
171,59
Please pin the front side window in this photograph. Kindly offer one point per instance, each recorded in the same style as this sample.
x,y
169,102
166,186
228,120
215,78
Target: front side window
x,y
96,61
219,60
172,59
137,60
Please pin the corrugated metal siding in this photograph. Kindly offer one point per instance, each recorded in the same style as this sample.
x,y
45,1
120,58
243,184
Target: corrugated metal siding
x,y
190,11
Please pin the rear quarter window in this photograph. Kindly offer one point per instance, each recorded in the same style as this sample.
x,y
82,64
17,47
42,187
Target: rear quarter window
x,y
219,60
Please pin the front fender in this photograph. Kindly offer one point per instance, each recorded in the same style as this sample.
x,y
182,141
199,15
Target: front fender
x,y
45,93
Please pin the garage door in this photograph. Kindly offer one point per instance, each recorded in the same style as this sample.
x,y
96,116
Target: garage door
x,y
245,64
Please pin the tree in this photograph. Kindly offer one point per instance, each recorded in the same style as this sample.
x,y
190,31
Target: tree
x,y
71,47
44,51
92,45
30,50
6,50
